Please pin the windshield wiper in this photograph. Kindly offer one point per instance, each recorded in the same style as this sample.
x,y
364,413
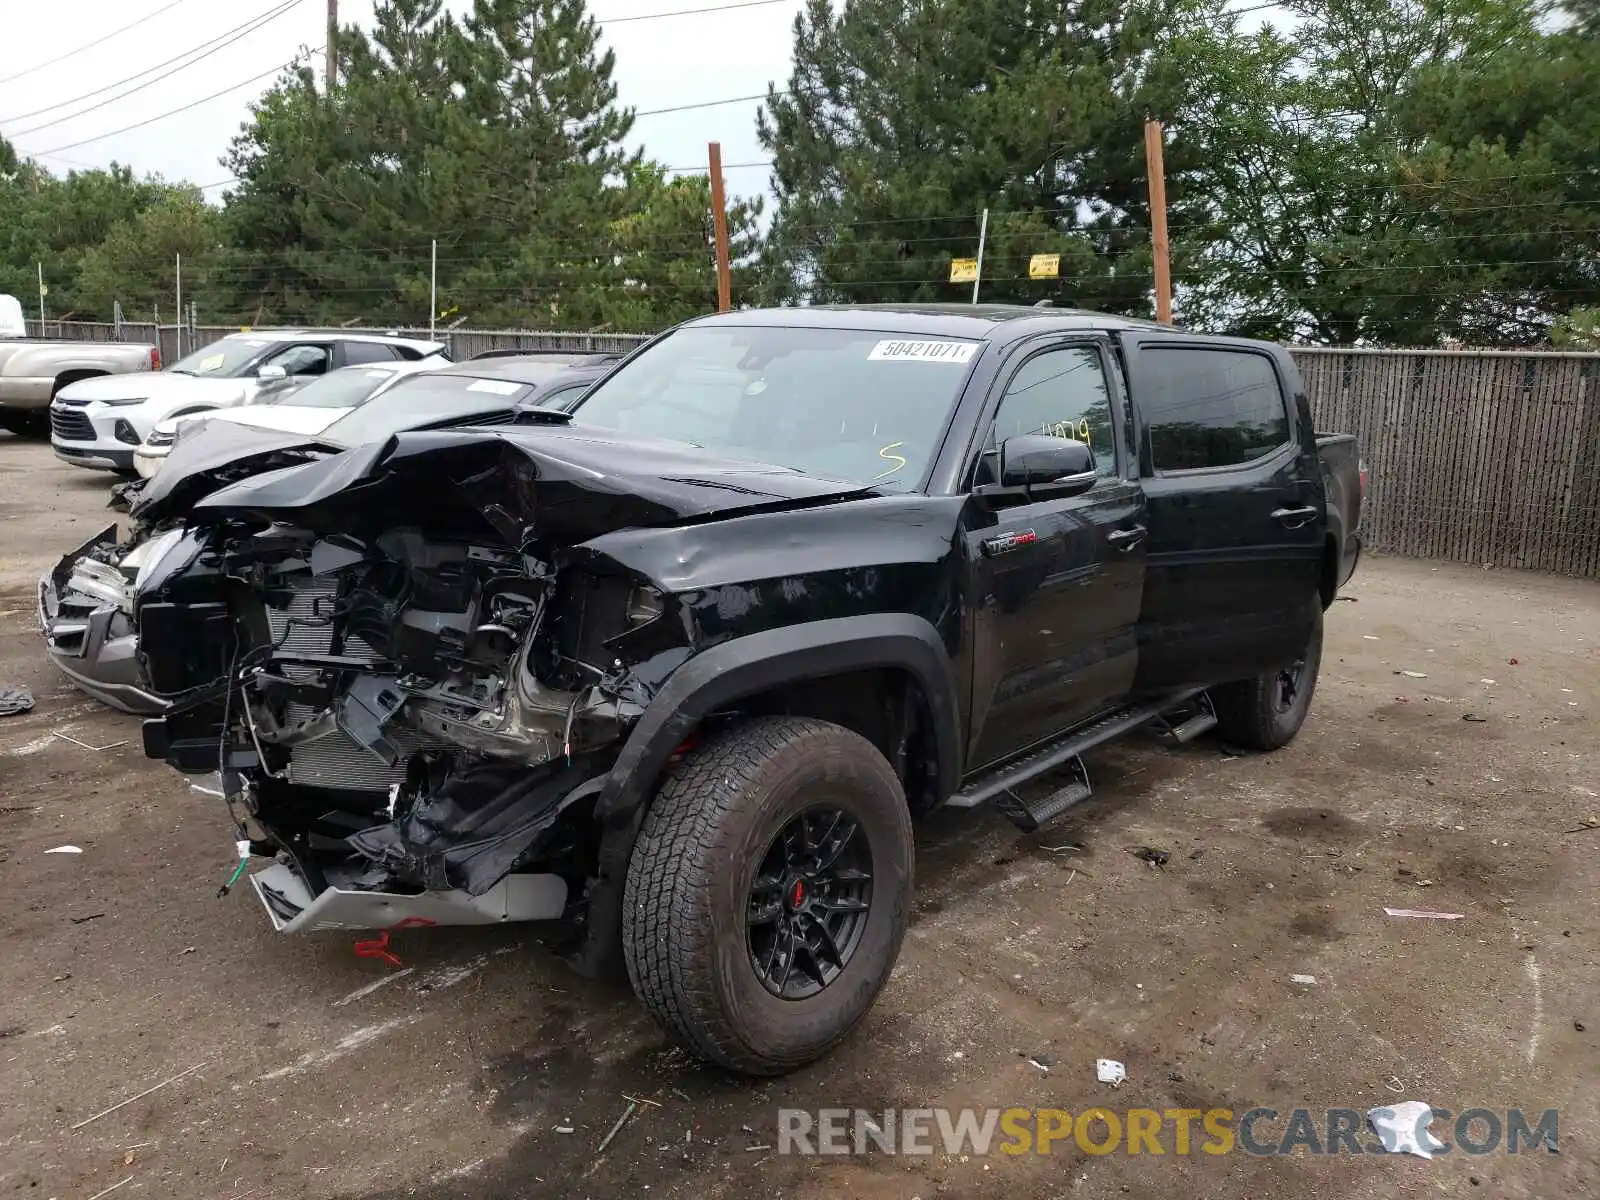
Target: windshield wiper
x,y
542,416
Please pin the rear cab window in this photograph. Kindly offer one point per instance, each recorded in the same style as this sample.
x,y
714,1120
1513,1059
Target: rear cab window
x,y
1206,408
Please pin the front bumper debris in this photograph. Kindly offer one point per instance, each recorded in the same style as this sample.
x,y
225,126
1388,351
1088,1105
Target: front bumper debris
x,y
293,909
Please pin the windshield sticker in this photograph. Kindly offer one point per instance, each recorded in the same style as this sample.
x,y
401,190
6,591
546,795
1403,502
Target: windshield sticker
x,y
212,361
903,351
498,386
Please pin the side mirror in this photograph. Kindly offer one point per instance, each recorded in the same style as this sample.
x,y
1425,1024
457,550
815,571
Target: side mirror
x,y
270,376
1042,467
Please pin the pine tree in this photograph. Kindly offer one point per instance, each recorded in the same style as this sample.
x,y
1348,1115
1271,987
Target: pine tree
x,y
496,135
1315,217
905,119
1506,179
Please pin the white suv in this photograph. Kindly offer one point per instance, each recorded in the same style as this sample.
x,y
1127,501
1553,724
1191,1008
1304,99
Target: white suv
x,y
100,422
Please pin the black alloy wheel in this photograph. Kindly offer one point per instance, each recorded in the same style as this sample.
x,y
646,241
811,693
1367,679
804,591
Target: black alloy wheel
x,y
1288,685
808,903
768,892
1267,711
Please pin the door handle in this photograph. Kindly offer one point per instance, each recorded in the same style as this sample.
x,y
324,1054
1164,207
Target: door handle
x,y
1127,539
1294,517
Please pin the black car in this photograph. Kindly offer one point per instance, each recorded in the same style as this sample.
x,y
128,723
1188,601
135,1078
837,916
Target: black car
x,y
678,669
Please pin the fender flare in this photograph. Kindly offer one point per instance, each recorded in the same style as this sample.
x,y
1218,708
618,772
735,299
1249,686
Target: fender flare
x,y
721,675
756,662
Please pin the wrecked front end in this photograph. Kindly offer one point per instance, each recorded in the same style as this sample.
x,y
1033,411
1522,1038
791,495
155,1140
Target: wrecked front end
x,y
85,602
409,677
399,719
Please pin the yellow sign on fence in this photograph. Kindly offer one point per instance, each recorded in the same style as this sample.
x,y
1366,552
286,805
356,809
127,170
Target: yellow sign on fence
x,y
1044,266
963,270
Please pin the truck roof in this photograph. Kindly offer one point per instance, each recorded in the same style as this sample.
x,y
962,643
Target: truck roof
x,y
979,321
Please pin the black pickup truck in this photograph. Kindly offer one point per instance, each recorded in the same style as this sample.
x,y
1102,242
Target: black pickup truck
x,y
676,669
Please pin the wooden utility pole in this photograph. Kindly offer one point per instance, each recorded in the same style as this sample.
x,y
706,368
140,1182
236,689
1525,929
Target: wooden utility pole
x,y
719,221
333,43
1155,172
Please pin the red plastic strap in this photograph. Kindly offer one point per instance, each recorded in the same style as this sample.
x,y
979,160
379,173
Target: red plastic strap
x,y
378,947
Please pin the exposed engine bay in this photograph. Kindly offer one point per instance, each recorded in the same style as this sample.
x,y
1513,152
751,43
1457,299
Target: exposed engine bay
x,y
405,713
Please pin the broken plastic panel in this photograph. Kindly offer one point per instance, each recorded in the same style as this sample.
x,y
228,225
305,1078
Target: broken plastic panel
x,y
293,909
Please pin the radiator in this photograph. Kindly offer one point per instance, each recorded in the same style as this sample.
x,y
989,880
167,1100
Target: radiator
x,y
335,760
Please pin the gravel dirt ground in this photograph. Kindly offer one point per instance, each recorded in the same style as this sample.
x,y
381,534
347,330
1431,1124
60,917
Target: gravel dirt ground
x,y
309,1072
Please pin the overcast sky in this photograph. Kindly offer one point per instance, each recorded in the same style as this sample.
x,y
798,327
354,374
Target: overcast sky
x,y
660,63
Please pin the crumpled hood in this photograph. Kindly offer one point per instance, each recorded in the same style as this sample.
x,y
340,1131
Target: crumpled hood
x,y
206,458
154,385
561,483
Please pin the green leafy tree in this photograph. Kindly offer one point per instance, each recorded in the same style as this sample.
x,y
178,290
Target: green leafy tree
x,y
136,263
544,138
495,134
56,222
1507,172
666,251
1314,231
338,194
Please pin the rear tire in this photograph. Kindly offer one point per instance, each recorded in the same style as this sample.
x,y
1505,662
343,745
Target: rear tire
x,y
1265,713
757,951
26,424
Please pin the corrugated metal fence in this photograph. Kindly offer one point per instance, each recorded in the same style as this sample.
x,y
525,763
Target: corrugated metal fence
x,y
463,343
1478,457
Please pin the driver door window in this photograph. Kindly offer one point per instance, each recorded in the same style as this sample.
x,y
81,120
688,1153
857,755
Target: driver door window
x,y
300,360
1056,393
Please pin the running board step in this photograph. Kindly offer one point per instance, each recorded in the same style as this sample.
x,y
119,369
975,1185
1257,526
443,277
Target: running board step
x,y
1063,750
1029,815
1198,717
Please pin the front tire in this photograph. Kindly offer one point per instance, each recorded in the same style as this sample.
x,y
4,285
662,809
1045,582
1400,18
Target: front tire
x,y
768,893
1265,713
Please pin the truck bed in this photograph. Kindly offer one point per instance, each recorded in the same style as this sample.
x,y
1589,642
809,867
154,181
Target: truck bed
x,y
1345,481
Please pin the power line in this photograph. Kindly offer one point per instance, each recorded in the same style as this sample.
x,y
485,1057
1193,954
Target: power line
x,y
100,137
656,112
203,51
703,167
688,12
91,45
